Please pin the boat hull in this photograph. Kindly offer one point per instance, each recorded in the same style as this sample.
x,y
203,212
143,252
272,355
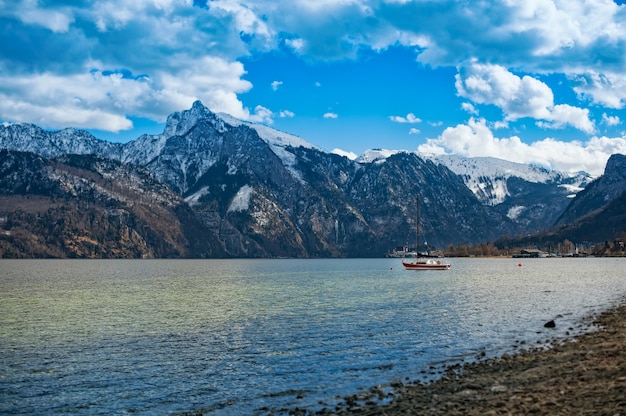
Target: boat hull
x,y
426,265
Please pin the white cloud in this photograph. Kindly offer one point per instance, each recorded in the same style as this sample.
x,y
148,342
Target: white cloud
x,y
63,116
562,115
469,108
605,88
610,120
518,97
96,99
215,81
245,19
297,45
276,84
58,21
494,84
414,131
86,100
286,114
475,139
261,115
331,115
189,53
183,53
410,118
564,26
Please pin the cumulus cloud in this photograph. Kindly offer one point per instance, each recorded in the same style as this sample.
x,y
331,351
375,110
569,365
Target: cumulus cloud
x,y
57,61
213,80
103,99
469,108
605,88
60,101
610,120
286,114
475,139
57,21
414,131
261,115
518,97
247,22
276,84
331,115
183,51
410,118
297,45
582,38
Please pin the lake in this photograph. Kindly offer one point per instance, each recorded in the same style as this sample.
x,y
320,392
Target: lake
x,y
224,337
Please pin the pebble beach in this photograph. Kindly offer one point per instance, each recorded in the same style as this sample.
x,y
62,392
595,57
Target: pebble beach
x,y
583,375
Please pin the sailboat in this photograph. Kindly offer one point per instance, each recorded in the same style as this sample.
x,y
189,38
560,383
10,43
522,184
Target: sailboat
x,y
423,263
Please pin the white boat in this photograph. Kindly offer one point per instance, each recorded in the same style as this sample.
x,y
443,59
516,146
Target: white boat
x,y
422,262
426,264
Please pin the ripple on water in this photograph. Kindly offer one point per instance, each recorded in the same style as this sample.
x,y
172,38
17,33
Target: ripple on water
x,y
228,337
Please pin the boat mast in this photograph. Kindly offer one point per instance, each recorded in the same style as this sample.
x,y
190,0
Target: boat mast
x,y
417,225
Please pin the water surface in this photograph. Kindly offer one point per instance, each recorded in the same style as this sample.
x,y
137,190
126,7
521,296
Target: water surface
x,y
101,337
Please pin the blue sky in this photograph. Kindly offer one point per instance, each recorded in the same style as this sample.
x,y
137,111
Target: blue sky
x,y
531,81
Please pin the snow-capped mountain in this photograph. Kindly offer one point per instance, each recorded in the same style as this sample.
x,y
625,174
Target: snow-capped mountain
x,y
31,138
273,137
259,192
530,195
208,130
596,214
600,192
488,177
376,155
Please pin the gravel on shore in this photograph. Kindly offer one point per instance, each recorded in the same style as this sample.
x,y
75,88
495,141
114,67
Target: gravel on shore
x,y
582,375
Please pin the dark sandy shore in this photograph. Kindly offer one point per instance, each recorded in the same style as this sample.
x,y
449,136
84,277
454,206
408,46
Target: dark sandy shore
x,y
585,375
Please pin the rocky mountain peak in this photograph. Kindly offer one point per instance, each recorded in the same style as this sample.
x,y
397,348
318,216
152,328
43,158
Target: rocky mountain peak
x,y
32,138
599,192
615,169
255,191
181,122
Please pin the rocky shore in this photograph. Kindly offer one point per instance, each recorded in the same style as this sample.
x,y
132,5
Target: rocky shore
x,y
583,375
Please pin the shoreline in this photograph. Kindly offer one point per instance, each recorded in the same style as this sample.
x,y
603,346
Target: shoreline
x,y
582,374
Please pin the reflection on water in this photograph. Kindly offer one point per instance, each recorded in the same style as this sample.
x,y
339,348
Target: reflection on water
x,y
236,336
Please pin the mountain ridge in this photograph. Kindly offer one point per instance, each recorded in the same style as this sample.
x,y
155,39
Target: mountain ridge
x,y
258,192
599,192
85,206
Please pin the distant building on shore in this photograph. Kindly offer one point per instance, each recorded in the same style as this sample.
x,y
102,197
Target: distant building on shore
x,y
530,253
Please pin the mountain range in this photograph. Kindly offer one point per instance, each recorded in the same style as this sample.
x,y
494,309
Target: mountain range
x,y
214,186
597,214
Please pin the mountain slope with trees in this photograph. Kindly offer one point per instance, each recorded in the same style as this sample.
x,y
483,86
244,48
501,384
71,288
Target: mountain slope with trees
x,y
213,186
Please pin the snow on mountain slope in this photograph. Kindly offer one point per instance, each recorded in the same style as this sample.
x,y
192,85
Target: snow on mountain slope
x,y
31,138
487,177
376,155
144,149
271,136
278,141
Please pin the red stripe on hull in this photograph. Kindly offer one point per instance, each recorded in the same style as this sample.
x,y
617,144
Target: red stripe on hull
x,y
427,265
